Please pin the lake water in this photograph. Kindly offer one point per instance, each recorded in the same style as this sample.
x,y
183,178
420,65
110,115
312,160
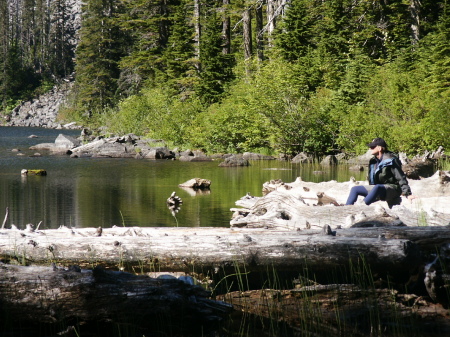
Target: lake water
x,y
92,192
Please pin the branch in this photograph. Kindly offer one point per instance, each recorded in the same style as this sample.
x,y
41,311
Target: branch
x,y
6,217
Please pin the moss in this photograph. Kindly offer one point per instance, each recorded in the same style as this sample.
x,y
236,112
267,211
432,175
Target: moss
x,y
37,172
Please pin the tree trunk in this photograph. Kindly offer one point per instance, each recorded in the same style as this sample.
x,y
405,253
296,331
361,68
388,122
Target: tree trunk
x,y
247,32
414,9
163,23
271,19
53,295
197,31
259,32
226,29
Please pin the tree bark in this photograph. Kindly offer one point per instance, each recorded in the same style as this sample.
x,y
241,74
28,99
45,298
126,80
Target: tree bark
x,y
226,29
54,295
247,32
197,36
163,23
414,9
259,32
271,18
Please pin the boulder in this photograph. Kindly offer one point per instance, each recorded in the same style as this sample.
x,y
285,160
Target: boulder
x,y
234,161
66,142
104,148
302,158
157,153
256,156
115,150
194,158
361,160
38,172
43,146
329,161
63,143
417,168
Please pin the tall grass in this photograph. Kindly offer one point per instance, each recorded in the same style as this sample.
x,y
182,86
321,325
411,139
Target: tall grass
x,y
347,300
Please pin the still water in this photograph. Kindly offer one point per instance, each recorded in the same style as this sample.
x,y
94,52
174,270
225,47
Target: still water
x,y
92,192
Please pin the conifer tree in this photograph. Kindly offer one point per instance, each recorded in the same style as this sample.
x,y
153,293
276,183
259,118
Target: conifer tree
x,y
440,55
216,67
4,43
147,25
178,70
60,52
97,56
294,36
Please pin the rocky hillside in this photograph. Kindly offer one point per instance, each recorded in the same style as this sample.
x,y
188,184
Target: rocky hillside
x,y
43,111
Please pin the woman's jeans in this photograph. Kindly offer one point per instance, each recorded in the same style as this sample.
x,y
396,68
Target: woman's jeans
x,y
377,192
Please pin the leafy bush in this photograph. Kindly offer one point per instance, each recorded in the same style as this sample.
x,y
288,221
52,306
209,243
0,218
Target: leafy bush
x,y
155,114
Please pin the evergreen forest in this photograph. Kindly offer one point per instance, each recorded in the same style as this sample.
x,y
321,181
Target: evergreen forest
x,y
269,76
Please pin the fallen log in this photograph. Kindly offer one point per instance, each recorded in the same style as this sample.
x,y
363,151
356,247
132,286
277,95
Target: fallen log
x,y
345,309
404,255
54,296
206,249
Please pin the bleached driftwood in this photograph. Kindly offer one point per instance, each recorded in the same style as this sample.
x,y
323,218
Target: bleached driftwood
x,y
303,205
210,250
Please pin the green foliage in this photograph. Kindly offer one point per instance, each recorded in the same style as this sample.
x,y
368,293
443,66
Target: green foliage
x,y
336,75
178,69
98,53
267,110
34,50
216,67
230,126
155,114
401,105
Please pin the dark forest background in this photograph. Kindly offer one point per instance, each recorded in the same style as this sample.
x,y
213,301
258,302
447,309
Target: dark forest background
x,y
271,76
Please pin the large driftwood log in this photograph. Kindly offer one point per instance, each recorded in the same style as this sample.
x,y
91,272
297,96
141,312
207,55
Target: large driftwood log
x,y
54,295
303,205
400,252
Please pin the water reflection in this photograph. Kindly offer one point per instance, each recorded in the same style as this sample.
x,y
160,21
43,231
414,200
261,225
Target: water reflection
x,y
93,192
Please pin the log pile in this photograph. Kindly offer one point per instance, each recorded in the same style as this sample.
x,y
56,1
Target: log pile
x,y
303,205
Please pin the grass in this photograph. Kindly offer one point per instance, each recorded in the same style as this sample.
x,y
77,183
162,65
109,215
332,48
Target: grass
x,y
349,301
343,301
444,164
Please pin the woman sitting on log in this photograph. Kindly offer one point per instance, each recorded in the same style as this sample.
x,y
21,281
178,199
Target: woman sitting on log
x,y
387,181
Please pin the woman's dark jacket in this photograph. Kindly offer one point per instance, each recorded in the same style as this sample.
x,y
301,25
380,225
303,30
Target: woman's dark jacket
x,y
388,172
